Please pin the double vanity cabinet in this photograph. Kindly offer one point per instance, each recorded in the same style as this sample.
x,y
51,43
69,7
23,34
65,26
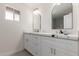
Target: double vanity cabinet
x,y
41,45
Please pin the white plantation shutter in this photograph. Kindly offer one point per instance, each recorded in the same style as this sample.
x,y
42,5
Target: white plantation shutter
x,y
16,15
9,13
12,14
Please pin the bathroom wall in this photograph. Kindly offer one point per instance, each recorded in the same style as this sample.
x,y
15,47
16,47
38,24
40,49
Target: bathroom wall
x,y
11,32
27,22
46,18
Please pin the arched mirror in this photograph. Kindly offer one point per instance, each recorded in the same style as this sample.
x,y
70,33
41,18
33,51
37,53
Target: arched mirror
x,y
62,16
36,20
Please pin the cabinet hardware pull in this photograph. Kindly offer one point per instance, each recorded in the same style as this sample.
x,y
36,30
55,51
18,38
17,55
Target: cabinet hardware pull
x,y
54,51
51,50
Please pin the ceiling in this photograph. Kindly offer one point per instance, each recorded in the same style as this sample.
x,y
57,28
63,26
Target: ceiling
x,y
38,5
31,6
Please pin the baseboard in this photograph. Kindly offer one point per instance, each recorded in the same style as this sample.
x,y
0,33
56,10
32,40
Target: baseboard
x,y
10,53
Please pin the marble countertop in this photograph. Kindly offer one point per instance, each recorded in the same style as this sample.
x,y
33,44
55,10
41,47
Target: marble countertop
x,y
40,33
59,36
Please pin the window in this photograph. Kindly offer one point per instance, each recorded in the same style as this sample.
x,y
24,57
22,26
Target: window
x,y
12,14
16,15
9,13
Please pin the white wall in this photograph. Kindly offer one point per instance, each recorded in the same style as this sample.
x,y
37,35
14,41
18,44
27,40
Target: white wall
x,y
11,32
46,18
27,22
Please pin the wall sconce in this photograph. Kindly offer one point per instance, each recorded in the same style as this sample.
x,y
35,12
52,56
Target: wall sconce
x,y
36,11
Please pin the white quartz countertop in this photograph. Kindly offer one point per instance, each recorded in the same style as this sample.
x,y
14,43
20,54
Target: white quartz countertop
x,y
40,33
60,36
70,36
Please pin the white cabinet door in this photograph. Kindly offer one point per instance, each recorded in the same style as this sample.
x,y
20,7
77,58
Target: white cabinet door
x,y
36,45
27,42
47,48
32,44
63,52
60,53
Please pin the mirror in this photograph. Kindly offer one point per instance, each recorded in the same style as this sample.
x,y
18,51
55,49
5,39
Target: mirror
x,y
36,20
62,16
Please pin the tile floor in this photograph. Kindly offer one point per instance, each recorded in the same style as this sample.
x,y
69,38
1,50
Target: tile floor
x,y
22,53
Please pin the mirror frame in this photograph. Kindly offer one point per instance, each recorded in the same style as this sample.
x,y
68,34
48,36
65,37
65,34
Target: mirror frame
x,y
33,22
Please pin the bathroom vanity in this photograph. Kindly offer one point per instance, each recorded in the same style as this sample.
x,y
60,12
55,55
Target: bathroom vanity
x,y
41,44
48,44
